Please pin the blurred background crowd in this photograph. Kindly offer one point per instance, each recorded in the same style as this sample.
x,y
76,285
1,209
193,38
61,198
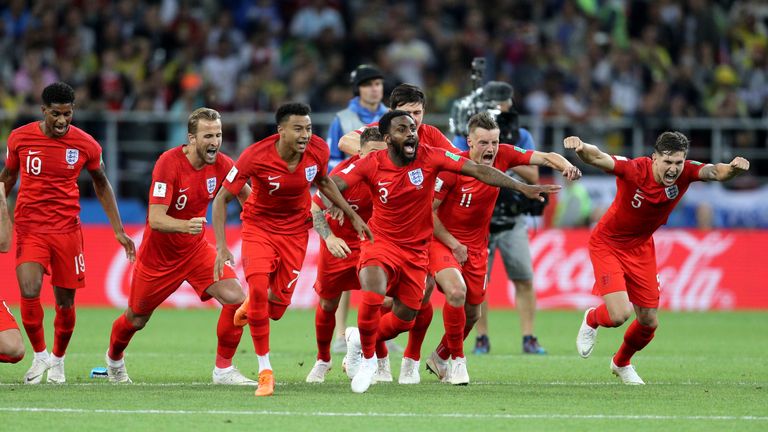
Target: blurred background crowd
x,y
580,61
578,58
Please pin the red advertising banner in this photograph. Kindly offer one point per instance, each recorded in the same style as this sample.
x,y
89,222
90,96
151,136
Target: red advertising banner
x,y
698,270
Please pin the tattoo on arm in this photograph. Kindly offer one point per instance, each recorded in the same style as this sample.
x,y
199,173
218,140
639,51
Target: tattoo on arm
x,y
321,225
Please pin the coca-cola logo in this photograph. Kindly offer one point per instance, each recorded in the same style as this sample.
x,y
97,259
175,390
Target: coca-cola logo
x,y
691,277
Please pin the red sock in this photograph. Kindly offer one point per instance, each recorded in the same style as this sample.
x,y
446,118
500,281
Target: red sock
x,y
454,320
636,338
381,345
390,326
599,316
325,322
258,315
8,359
63,326
229,336
32,319
418,332
368,317
122,332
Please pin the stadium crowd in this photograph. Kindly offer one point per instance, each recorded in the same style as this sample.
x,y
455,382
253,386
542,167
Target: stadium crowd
x,y
577,58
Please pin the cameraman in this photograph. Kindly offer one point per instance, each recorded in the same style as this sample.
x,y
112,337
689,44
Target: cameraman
x,y
508,227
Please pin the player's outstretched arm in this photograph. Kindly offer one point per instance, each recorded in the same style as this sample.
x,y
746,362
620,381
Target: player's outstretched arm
x,y
337,246
557,162
330,189
160,221
441,233
350,143
106,196
723,172
219,214
8,177
589,153
5,223
494,177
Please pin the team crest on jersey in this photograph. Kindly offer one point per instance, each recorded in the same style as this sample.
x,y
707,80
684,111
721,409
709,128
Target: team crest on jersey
x,y
211,184
416,177
672,192
72,156
310,172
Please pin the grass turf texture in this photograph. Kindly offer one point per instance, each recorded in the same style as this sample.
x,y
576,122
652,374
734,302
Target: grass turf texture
x,y
705,371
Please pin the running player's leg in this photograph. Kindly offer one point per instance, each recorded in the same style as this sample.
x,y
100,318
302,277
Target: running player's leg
x,y
11,343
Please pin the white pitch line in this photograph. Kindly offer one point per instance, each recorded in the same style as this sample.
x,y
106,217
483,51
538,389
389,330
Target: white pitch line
x,y
387,415
104,382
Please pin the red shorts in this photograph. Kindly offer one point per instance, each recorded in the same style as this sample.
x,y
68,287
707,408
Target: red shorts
x,y
61,256
632,270
406,269
150,287
7,322
279,256
335,275
473,270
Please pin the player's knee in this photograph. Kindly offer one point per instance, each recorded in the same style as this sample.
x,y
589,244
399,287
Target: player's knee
x,y
329,306
16,353
232,296
648,320
30,288
139,321
455,296
388,302
620,315
276,310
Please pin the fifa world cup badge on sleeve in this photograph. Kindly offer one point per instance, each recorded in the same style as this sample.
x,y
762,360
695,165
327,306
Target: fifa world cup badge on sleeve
x,y
232,174
159,190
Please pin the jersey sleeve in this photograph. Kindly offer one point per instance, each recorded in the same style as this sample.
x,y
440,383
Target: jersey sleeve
x,y
323,154
239,173
447,160
625,168
12,154
438,140
94,154
444,184
510,156
356,172
163,178
692,170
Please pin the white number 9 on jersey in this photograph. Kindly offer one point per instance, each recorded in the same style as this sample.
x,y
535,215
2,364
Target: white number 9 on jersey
x,y
181,202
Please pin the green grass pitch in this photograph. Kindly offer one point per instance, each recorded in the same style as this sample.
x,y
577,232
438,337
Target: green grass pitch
x,y
705,371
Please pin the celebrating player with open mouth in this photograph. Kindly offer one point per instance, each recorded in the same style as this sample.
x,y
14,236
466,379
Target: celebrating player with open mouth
x,y
174,248
276,220
402,181
621,247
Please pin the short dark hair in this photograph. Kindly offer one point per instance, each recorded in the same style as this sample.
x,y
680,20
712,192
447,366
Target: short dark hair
x,y
58,93
291,108
201,113
671,142
482,120
386,120
370,134
405,94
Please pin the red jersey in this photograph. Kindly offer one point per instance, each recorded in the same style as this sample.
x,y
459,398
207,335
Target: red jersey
x,y
359,198
187,192
280,199
49,199
428,135
641,205
402,196
468,203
